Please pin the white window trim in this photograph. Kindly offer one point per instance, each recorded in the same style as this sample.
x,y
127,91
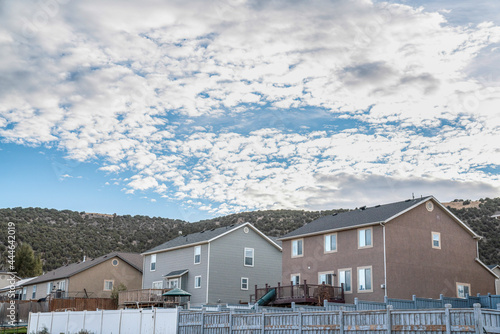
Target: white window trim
x,y
371,233
33,292
194,258
464,284
439,240
350,279
112,284
326,273
371,278
245,257
196,280
292,276
62,285
241,283
49,288
324,243
172,280
291,250
153,256
153,284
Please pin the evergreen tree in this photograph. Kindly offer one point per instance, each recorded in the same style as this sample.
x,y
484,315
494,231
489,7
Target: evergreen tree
x,y
26,263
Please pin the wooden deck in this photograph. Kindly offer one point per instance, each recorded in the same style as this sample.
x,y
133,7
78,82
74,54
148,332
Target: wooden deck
x,y
311,294
142,298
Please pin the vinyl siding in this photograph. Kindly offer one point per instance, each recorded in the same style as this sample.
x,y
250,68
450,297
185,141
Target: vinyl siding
x,y
178,259
227,268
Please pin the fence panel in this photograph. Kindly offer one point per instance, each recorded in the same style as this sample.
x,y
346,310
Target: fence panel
x,y
424,303
190,322
362,305
484,300
401,304
339,306
455,302
282,323
419,322
365,322
491,321
473,300
247,323
320,322
494,301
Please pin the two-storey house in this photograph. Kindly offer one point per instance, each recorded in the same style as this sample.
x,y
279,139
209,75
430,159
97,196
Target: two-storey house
x,y
91,278
414,247
215,266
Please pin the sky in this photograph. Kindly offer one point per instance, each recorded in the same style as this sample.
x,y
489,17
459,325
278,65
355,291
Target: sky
x,y
197,109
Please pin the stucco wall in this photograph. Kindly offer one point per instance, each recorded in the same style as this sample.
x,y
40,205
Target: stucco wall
x,y
414,267
348,255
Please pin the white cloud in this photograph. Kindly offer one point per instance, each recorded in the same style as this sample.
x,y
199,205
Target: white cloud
x,y
100,81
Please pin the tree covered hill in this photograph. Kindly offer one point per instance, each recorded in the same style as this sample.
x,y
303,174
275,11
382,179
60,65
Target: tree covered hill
x,y
63,237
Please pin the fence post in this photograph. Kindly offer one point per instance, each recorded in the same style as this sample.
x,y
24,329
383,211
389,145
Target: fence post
x,y
102,320
447,318
341,320
498,306
262,323
478,318
202,320
231,321
356,303
389,318
120,324
293,306
178,318
300,322
414,298
67,323
84,318
51,320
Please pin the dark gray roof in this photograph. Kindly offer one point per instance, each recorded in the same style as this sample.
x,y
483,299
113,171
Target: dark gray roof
x,y
133,259
176,273
358,217
193,238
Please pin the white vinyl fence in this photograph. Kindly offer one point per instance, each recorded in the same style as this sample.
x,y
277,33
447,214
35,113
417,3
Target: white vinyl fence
x,y
154,321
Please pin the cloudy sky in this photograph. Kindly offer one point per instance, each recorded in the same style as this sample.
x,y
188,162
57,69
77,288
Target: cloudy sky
x,y
194,109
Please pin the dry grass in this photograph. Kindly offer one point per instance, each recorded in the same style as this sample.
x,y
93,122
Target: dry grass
x,y
460,205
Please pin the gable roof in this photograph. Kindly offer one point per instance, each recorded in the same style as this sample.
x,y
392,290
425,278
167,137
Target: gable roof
x,y
205,237
365,217
133,259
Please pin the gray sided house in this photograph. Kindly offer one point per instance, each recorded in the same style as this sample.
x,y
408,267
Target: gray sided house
x,y
221,265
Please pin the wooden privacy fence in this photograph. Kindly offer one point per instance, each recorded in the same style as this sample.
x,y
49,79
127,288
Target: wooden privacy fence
x,y
436,321
82,304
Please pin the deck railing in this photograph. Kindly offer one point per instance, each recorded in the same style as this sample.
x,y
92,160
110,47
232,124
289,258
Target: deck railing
x,y
141,296
305,291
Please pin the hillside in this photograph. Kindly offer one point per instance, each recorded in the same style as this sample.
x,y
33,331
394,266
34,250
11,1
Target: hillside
x,y
63,237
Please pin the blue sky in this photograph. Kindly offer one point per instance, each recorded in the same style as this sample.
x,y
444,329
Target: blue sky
x,y
198,109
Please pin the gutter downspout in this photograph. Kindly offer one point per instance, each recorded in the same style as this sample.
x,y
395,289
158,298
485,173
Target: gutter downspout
x,y
208,270
385,260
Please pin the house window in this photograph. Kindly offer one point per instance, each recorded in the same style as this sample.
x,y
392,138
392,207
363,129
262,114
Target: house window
x,y
25,291
197,254
153,263
297,247
62,285
248,257
244,283
173,283
108,285
365,237
345,278
365,279
34,292
114,262
326,277
463,290
49,288
295,279
157,285
436,240
197,282
331,243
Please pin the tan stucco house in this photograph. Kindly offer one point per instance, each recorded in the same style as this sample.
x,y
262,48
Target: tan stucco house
x,y
413,247
92,278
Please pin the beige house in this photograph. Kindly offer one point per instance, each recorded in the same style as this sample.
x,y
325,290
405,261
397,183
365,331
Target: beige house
x,y
94,278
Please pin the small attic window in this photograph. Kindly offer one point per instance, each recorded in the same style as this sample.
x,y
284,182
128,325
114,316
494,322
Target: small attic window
x,y
114,262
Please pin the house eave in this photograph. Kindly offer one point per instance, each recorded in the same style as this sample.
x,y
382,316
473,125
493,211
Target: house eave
x,y
486,267
330,231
